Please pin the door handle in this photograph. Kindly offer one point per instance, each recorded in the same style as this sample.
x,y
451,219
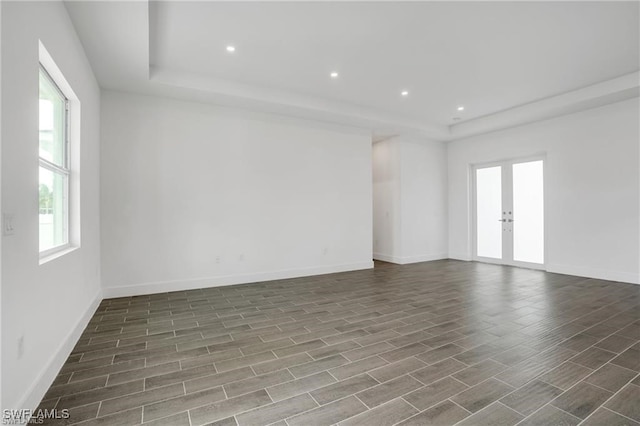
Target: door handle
x,y
502,220
509,220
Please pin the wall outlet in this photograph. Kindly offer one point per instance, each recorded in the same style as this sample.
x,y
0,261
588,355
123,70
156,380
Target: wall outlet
x,y
217,259
7,224
241,257
325,251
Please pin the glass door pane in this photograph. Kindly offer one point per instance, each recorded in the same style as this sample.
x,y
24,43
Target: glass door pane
x,y
489,212
528,212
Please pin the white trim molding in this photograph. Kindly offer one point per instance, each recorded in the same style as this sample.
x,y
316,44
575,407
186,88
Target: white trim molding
x,y
600,274
219,281
404,260
465,257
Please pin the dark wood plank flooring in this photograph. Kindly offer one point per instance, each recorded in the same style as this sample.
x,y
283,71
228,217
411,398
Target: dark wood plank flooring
x,y
443,342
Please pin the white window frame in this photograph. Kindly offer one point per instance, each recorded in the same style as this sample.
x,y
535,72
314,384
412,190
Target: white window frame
x,y
63,170
71,156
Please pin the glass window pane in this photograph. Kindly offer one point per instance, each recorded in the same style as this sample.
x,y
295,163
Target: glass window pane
x,y
489,212
52,122
53,217
528,212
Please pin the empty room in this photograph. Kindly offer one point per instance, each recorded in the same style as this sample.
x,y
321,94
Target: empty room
x,y
320,213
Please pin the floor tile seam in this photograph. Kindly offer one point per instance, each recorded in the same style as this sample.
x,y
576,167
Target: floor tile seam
x,y
108,399
613,411
227,399
615,354
445,399
452,357
616,393
394,398
587,348
491,378
545,405
509,408
506,367
599,322
312,397
319,405
633,340
565,391
245,356
342,397
455,403
595,325
480,410
166,417
209,375
138,406
71,377
450,376
517,389
555,386
361,402
333,335
289,381
99,408
387,403
88,390
604,365
566,360
189,418
334,377
408,402
57,401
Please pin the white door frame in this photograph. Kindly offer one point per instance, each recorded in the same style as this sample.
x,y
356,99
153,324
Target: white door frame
x,y
507,238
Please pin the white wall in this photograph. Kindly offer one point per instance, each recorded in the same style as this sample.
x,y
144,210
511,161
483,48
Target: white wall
x,y
410,200
48,304
1,406
592,184
194,195
424,200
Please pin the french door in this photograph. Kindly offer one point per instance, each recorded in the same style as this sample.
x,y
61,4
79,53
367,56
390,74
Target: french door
x,y
509,213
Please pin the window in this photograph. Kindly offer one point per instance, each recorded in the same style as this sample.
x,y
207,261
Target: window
x,y
55,171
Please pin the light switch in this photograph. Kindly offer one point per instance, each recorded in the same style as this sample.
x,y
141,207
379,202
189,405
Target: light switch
x,y
7,224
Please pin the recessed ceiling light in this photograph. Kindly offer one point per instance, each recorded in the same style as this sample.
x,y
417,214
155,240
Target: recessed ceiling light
x,y
231,49
405,93
460,108
334,75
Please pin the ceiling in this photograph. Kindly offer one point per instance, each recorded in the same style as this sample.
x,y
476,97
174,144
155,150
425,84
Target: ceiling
x,y
499,60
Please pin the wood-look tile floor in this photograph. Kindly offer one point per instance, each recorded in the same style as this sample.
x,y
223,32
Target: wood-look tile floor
x,y
442,343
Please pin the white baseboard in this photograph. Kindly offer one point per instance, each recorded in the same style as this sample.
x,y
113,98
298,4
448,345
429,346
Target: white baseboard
x,y
41,385
423,258
578,271
460,256
409,259
191,284
386,258
601,274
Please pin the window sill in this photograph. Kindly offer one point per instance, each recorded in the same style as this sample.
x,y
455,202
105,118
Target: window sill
x,y
48,256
